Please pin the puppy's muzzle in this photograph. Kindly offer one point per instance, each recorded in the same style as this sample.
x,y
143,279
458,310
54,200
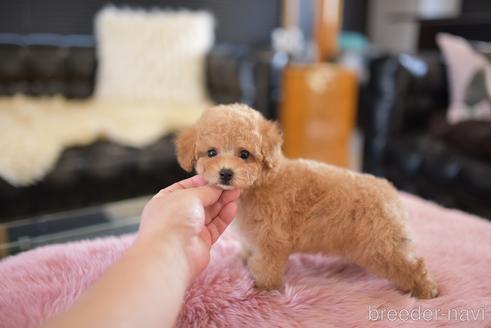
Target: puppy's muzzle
x,y
226,176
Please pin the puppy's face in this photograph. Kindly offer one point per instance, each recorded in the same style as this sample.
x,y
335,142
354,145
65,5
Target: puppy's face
x,y
229,146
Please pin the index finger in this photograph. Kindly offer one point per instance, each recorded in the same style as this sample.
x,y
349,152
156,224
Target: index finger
x,y
208,195
194,181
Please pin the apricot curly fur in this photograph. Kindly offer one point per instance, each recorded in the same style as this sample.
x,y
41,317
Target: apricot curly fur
x,y
289,206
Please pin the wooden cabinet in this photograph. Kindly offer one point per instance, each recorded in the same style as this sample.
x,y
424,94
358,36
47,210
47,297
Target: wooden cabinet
x,y
318,112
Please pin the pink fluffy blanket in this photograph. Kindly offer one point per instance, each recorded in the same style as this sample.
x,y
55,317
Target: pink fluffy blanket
x,y
320,291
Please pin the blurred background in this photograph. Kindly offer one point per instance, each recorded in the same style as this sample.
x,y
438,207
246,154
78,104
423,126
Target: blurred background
x,y
88,107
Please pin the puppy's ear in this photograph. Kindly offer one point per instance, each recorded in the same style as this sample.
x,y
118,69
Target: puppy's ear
x,y
185,148
271,142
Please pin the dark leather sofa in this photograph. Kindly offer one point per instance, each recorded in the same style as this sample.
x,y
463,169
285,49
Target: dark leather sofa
x,y
44,65
408,141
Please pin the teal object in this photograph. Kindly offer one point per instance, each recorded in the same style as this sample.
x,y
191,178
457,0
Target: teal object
x,y
353,41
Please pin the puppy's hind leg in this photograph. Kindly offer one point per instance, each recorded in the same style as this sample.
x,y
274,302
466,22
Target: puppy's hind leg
x,y
408,272
392,254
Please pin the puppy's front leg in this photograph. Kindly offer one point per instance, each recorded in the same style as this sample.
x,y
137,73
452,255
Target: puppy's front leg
x,y
267,268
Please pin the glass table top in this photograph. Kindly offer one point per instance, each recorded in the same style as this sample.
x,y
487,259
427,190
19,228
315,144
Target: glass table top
x,y
112,219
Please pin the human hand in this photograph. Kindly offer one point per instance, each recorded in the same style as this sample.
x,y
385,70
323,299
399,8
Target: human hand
x,y
192,213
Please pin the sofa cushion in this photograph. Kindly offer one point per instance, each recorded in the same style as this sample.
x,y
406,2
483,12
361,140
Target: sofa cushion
x,y
432,157
472,137
47,64
94,174
153,55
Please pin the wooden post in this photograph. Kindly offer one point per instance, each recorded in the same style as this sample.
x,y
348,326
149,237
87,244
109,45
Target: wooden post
x,y
326,27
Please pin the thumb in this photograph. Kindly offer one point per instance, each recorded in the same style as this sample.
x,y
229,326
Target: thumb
x,y
207,195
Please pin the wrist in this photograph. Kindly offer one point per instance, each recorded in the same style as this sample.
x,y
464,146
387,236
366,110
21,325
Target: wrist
x,y
166,251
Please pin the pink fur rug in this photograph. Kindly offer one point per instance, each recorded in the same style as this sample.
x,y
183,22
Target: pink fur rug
x,y
320,291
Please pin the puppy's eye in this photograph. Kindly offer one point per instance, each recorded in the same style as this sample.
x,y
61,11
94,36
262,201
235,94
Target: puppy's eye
x,y
244,154
212,152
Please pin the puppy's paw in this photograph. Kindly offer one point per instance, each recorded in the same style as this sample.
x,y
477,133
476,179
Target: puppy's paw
x,y
426,290
268,284
267,287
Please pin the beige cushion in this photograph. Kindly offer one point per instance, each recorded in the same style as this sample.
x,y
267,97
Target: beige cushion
x,y
152,55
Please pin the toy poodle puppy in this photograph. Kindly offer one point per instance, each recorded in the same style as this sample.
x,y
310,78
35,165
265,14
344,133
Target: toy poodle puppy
x,y
289,206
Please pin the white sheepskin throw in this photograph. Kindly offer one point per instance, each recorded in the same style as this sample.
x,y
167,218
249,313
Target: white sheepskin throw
x,y
153,55
34,132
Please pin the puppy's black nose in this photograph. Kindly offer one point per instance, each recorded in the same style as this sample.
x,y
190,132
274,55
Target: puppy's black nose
x,y
226,175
